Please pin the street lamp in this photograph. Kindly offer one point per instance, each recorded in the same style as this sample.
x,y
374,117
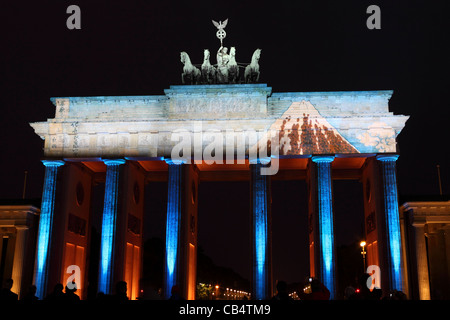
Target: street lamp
x,y
217,292
363,252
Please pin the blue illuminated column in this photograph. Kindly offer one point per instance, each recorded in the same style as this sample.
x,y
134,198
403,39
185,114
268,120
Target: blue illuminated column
x,y
261,238
173,221
45,226
326,257
391,216
109,221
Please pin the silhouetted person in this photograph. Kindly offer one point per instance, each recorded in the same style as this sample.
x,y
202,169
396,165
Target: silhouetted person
x,y
30,296
91,292
70,293
121,291
176,294
101,296
6,294
57,294
318,292
377,293
349,292
282,292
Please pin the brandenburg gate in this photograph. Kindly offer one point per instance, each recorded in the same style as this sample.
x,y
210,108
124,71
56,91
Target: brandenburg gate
x,y
212,132
217,126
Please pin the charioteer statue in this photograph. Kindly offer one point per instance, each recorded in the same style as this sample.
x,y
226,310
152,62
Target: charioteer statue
x,y
227,70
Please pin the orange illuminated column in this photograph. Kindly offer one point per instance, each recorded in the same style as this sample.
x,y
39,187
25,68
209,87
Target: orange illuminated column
x,y
192,272
75,266
372,208
188,232
129,240
19,258
74,226
421,256
132,270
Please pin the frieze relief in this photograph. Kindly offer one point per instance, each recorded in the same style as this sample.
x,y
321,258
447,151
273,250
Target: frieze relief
x,y
232,107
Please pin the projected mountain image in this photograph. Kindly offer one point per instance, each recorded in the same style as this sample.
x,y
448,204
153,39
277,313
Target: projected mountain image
x,y
302,130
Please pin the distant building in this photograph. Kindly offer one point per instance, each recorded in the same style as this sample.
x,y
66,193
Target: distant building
x,y
425,230
19,220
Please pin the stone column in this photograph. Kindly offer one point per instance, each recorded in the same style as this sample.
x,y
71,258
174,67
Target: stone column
x,y
392,221
423,278
326,258
173,222
261,230
109,220
45,226
446,235
19,256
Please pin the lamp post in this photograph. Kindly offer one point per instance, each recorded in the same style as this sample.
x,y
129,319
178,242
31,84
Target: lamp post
x,y
363,252
217,292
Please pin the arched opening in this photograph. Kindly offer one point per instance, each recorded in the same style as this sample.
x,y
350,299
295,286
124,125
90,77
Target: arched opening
x,y
349,232
290,243
224,247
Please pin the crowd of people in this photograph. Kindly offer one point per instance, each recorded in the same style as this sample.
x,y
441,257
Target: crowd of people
x,y
313,289
61,294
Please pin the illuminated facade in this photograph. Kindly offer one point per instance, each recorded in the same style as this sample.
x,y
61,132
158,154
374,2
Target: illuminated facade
x,y
19,222
196,133
425,233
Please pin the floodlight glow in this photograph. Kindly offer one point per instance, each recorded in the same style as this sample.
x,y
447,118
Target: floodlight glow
x,y
325,212
109,224
172,224
260,227
45,225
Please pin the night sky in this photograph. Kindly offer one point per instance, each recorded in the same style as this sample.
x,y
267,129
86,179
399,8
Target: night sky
x,y
132,48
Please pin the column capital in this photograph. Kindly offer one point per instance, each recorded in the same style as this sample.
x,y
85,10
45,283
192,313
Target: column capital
x,y
419,223
113,161
262,160
387,157
321,159
21,227
175,161
53,163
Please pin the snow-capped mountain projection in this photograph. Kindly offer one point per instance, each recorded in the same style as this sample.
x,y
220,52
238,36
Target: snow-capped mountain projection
x,y
302,130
